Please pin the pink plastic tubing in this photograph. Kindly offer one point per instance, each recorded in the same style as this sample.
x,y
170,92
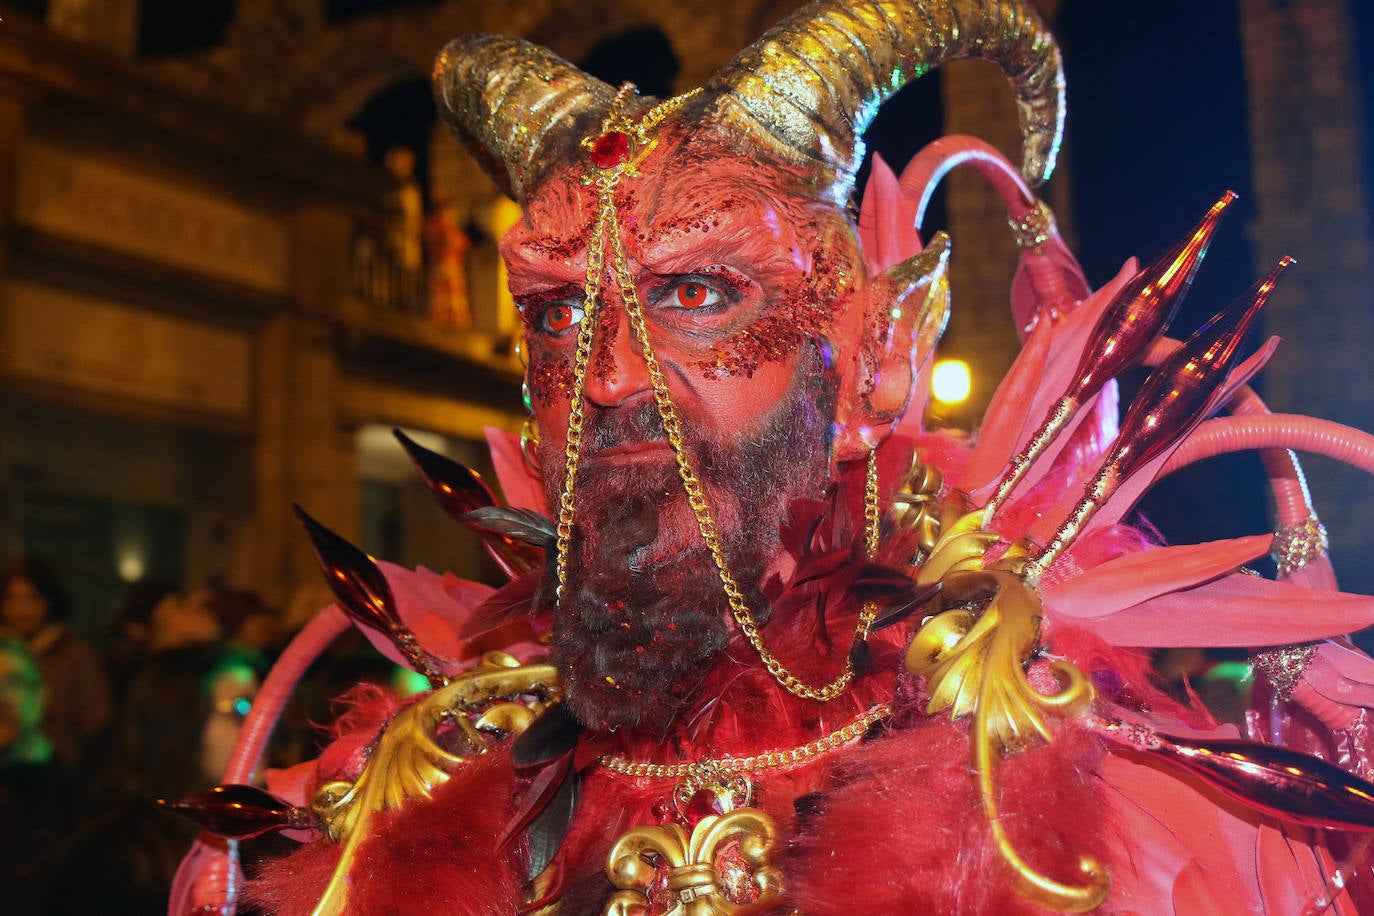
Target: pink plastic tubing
x,y
1292,501
216,886
1335,716
1252,426
939,158
1277,431
313,639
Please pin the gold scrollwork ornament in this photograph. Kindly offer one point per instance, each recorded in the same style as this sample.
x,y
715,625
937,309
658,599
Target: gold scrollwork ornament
x,y
497,698
974,664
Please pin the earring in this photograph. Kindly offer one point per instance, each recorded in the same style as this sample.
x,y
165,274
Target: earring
x,y
529,433
529,446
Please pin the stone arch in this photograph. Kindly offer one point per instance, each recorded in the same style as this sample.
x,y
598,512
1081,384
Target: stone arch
x,y
344,83
643,56
573,33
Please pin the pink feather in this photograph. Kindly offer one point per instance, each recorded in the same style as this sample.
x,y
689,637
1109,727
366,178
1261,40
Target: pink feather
x,y
519,486
1006,425
1069,336
1236,610
1136,577
887,220
433,607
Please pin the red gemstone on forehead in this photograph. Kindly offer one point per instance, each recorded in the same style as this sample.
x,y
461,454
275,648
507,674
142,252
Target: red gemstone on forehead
x,y
611,149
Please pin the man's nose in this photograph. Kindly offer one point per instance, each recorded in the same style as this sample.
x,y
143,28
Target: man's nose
x,y
617,372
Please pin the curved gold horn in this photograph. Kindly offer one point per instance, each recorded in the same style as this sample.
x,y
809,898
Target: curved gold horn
x,y
508,100
809,87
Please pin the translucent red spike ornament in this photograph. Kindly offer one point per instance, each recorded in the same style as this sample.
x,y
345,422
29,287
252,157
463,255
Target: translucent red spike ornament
x,y
1275,781
240,812
459,490
1138,314
1175,398
365,596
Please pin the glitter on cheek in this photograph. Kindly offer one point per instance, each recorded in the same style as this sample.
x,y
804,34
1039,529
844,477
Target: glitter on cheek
x,y
550,380
769,339
805,310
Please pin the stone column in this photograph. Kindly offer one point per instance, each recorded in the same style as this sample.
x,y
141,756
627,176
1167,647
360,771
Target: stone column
x,y
301,455
13,124
1309,156
14,111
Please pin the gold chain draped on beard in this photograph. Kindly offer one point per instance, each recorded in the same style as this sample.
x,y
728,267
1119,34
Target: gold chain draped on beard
x,y
617,153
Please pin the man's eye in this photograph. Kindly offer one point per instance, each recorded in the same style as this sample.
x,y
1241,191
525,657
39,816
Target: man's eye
x,y
693,294
562,315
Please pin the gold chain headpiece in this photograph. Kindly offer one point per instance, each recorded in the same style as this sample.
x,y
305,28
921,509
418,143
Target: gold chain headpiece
x,y
615,153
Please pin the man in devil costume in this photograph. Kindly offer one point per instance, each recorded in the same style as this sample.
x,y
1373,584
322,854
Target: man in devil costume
x,y
768,645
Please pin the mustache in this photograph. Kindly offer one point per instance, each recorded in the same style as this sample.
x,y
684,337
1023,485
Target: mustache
x,y
608,427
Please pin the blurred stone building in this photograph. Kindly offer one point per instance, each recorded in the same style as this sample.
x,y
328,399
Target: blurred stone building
x,y
206,315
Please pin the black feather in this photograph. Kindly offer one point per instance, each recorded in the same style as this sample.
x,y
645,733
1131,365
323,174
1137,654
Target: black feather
x,y
550,826
548,737
898,612
505,521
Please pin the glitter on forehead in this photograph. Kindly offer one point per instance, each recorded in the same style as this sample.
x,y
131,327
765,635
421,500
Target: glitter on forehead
x,y
691,220
557,223
556,248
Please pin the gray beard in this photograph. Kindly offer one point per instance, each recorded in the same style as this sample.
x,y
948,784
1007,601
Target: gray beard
x,y
644,614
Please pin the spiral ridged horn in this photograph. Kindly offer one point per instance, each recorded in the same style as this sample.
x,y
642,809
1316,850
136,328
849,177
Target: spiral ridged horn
x,y
806,90
810,86
507,100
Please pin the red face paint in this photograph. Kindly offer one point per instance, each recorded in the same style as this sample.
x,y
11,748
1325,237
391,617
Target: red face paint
x,y
733,274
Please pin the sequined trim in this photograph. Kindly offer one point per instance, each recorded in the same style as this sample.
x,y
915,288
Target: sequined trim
x,y
1284,665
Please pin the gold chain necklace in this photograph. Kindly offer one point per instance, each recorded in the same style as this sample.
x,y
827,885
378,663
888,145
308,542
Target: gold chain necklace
x,y
607,225
705,770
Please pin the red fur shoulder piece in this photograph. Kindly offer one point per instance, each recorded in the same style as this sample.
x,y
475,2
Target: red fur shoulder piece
x,y
903,831
424,858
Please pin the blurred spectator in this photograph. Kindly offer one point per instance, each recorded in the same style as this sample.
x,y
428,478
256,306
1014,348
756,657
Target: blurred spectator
x,y
447,247
178,621
21,708
32,829
181,714
131,631
34,609
53,858
408,227
188,700
245,620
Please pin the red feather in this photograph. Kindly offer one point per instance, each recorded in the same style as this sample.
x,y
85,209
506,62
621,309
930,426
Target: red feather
x,y
425,857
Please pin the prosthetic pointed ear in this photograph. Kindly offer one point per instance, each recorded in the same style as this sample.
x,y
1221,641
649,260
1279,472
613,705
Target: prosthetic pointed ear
x,y
907,309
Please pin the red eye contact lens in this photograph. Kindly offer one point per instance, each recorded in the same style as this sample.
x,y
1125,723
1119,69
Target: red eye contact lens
x,y
559,318
691,295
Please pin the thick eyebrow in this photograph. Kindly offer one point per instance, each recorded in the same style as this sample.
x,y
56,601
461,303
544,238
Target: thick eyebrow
x,y
743,244
532,267
747,233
